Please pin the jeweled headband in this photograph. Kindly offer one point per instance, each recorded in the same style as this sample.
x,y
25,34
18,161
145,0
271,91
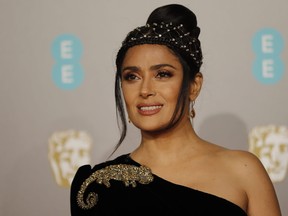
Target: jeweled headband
x,y
166,34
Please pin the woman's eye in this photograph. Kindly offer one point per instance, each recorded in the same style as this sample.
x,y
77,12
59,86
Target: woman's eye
x,y
163,74
130,77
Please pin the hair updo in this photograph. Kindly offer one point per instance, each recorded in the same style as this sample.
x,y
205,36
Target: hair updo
x,y
176,15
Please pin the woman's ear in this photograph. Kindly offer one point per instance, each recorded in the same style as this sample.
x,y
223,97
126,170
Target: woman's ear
x,y
195,86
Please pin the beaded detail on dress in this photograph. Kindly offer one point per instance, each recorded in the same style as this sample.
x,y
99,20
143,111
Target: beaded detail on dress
x,y
128,174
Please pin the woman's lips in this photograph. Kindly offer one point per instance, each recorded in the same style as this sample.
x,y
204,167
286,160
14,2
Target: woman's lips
x,y
149,109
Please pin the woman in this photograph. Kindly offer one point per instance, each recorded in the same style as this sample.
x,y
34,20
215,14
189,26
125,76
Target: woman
x,y
173,171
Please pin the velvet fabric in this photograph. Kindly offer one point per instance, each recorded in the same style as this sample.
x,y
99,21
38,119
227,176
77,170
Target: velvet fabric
x,y
160,197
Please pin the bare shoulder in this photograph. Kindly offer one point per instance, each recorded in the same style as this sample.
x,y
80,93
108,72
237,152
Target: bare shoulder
x,y
253,179
245,165
243,160
240,161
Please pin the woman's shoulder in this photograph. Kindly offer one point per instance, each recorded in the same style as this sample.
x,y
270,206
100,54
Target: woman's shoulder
x,y
247,167
254,179
240,159
85,180
87,169
237,162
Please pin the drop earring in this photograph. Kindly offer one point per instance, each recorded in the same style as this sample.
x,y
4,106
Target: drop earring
x,y
192,110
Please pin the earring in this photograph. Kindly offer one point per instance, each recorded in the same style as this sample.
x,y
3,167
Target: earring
x,y
192,110
129,121
192,113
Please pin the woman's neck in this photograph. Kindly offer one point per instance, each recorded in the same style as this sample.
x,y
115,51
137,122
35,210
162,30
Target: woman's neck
x,y
168,145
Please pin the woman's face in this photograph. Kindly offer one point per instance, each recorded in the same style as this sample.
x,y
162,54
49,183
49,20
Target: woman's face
x,y
151,81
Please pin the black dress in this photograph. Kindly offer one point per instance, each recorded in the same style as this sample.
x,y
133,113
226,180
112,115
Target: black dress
x,y
124,187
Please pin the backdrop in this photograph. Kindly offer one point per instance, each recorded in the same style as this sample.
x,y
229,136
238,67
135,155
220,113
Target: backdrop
x,y
57,106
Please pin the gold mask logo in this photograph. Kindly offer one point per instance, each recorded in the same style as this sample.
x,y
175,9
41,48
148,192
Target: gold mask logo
x,y
270,145
68,150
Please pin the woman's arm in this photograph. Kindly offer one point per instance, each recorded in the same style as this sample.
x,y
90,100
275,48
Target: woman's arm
x,y
262,199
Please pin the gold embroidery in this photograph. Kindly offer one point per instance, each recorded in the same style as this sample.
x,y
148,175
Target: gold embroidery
x,y
129,174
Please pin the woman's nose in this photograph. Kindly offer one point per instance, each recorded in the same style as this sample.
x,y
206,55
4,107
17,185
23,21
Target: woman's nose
x,y
147,89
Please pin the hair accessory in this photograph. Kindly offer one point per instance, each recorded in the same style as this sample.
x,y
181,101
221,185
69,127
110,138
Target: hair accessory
x,y
169,35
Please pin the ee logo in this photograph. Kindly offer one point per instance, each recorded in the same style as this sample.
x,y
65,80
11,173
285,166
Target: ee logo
x,y
268,68
67,72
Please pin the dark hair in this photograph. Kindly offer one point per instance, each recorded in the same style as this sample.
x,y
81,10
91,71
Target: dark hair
x,y
176,14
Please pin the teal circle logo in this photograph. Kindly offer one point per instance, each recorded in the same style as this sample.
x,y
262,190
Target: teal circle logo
x,y
268,67
67,72
67,76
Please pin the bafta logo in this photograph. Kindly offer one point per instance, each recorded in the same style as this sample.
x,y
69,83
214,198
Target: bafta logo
x,y
270,144
68,150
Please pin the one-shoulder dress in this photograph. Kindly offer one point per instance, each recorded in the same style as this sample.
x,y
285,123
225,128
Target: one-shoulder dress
x,y
124,187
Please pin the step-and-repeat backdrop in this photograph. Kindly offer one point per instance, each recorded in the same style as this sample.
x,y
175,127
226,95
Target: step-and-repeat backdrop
x,y
57,108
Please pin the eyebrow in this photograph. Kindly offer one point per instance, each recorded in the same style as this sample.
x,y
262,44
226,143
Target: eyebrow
x,y
130,68
153,67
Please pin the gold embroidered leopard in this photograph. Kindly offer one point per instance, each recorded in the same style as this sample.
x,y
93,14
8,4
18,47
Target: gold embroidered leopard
x,y
129,174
